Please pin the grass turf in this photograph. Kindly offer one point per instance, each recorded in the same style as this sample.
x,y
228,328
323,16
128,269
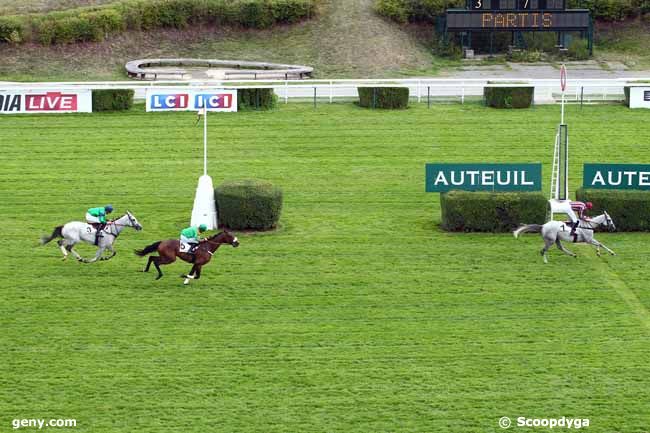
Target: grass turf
x,y
359,314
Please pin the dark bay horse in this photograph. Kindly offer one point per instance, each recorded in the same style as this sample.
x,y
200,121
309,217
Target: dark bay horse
x,y
169,250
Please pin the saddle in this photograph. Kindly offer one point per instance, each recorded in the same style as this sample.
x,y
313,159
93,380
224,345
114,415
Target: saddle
x,y
188,248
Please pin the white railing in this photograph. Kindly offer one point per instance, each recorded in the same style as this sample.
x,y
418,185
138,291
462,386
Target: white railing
x,y
423,90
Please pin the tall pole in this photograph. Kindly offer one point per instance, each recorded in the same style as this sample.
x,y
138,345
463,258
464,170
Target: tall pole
x,y
205,140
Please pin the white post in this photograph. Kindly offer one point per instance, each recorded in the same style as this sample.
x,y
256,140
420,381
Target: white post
x,y
205,141
331,91
286,91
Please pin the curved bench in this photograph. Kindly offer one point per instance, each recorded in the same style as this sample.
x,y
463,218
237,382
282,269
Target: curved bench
x,y
142,69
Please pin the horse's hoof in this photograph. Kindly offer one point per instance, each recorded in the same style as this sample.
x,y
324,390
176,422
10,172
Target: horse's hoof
x,y
158,277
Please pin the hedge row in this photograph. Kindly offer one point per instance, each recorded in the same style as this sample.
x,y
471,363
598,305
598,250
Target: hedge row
x,y
415,10
256,99
112,99
464,211
427,10
94,23
508,97
630,210
383,97
248,204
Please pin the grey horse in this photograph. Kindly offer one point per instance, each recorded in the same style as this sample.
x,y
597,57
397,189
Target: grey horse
x,y
553,232
77,231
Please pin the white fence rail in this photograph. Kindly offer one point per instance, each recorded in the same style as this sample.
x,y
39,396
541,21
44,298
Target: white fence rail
x,y
423,90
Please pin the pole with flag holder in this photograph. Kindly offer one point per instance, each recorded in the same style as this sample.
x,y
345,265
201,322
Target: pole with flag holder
x,y
559,202
204,210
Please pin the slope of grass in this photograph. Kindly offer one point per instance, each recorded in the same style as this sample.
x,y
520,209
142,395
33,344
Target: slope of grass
x,y
627,43
358,315
347,39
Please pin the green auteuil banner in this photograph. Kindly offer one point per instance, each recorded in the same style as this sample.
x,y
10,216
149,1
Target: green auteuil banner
x,y
483,177
616,176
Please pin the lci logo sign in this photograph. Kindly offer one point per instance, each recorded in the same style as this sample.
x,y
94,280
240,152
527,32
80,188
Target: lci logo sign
x,y
170,102
483,177
191,100
616,176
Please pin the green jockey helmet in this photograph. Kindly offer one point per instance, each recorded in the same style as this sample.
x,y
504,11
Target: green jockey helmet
x,y
202,228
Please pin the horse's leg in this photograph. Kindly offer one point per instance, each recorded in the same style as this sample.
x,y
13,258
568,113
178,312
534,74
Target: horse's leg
x,y
198,271
162,260
598,245
62,246
98,254
110,248
70,248
547,244
563,249
190,275
146,268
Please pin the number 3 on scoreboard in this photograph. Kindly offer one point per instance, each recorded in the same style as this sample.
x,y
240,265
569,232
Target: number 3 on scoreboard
x,y
479,4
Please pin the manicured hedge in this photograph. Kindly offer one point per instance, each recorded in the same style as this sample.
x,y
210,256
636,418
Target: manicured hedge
x,y
94,23
630,210
112,99
464,211
415,10
383,97
256,99
508,97
248,204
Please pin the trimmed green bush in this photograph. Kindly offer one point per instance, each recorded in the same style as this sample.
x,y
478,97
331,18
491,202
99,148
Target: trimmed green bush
x,y
112,99
630,210
508,97
248,204
383,97
94,23
256,99
464,211
415,10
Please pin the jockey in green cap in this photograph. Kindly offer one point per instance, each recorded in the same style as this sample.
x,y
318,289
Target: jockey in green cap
x,y
96,217
190,236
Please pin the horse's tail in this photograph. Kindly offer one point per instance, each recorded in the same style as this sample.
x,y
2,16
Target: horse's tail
x,y
528,228
56,233
148,249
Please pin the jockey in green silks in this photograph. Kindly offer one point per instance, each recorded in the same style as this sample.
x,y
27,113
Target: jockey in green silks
x,y
190,236
96,216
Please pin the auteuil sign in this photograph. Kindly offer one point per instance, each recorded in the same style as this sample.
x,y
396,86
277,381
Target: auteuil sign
x,y
483,177
617,176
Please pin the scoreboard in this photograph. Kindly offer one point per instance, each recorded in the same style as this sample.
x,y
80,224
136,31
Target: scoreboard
x,y
538,20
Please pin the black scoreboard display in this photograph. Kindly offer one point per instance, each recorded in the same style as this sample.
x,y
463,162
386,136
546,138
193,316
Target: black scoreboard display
x,y
517,15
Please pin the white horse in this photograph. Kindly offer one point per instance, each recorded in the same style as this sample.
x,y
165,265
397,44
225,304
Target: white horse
x,y
553,232
77,231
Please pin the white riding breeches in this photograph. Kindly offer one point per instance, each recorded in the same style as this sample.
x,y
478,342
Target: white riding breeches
x,y
92,219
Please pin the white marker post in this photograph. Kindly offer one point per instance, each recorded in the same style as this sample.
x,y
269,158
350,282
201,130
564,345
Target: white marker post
x,y
559,201
205,210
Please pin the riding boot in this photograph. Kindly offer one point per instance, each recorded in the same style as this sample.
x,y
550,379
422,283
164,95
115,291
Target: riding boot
x,y
574,234
98,232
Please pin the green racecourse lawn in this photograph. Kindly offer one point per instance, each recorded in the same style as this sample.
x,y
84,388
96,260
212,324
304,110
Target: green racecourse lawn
x,y
358,315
